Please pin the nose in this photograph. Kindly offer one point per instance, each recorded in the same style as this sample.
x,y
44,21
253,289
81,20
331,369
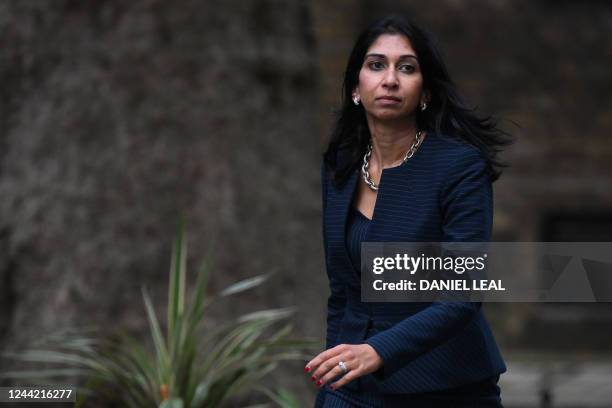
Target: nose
x,y
390,79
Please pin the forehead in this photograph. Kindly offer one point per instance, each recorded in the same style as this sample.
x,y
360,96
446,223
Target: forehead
x,y
391,45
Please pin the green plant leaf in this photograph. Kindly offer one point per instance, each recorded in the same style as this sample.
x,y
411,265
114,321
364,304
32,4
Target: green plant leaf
x,y
270,314
161,350
176,287
44,373
172,403
245,284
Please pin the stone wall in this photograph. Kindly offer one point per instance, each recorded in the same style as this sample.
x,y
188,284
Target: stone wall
x,y
119,116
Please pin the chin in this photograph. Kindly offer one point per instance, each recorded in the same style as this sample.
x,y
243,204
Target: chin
x,y
390,115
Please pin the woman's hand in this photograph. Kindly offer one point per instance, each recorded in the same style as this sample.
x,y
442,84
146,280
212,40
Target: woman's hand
x,y
359,359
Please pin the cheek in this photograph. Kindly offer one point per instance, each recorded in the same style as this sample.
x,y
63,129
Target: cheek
x,y
367,83
414,89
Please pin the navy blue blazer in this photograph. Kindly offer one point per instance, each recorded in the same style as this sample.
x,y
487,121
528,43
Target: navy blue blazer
x,y
442,194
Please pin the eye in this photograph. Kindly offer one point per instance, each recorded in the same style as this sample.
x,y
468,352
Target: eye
x,y
407,68
375,65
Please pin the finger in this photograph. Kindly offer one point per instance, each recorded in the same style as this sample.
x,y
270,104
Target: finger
x,y
324,355
346,378
335,371
325,367
330,368
313,364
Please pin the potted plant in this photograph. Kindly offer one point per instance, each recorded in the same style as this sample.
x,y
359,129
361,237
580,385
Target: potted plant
x,y
187,367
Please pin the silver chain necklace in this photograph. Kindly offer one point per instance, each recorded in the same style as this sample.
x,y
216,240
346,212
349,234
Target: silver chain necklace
x,y
366,159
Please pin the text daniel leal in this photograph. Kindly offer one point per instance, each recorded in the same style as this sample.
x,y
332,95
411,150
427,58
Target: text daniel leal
x,y
447,284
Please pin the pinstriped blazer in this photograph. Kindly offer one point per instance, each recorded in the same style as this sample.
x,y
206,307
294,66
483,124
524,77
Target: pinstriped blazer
x,y
442,194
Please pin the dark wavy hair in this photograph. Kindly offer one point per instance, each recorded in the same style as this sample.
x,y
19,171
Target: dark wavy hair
x,y
447,112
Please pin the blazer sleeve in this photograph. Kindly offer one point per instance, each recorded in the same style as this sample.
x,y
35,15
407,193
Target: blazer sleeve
x,y
466,205
336,301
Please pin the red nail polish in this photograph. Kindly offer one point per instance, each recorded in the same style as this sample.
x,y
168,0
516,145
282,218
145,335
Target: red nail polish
x,y
319,383
313,378
306,369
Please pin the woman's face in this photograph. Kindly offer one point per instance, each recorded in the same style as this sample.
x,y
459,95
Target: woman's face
x,y
390,81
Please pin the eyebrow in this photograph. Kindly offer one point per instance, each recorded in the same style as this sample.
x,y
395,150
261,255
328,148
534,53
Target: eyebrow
x,y
384,56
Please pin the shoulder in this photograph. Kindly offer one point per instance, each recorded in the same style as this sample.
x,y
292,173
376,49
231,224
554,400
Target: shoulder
x,y
449,149
455,157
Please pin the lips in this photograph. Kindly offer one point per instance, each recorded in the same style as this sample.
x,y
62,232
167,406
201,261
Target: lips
x,y
389,98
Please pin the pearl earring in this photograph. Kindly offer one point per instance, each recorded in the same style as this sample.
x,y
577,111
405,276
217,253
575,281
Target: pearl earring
x,y
423,106
356,100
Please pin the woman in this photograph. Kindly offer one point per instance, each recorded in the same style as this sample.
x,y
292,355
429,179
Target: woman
x,y
408,161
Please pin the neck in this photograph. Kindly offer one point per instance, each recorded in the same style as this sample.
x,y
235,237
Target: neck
x,y
390,142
